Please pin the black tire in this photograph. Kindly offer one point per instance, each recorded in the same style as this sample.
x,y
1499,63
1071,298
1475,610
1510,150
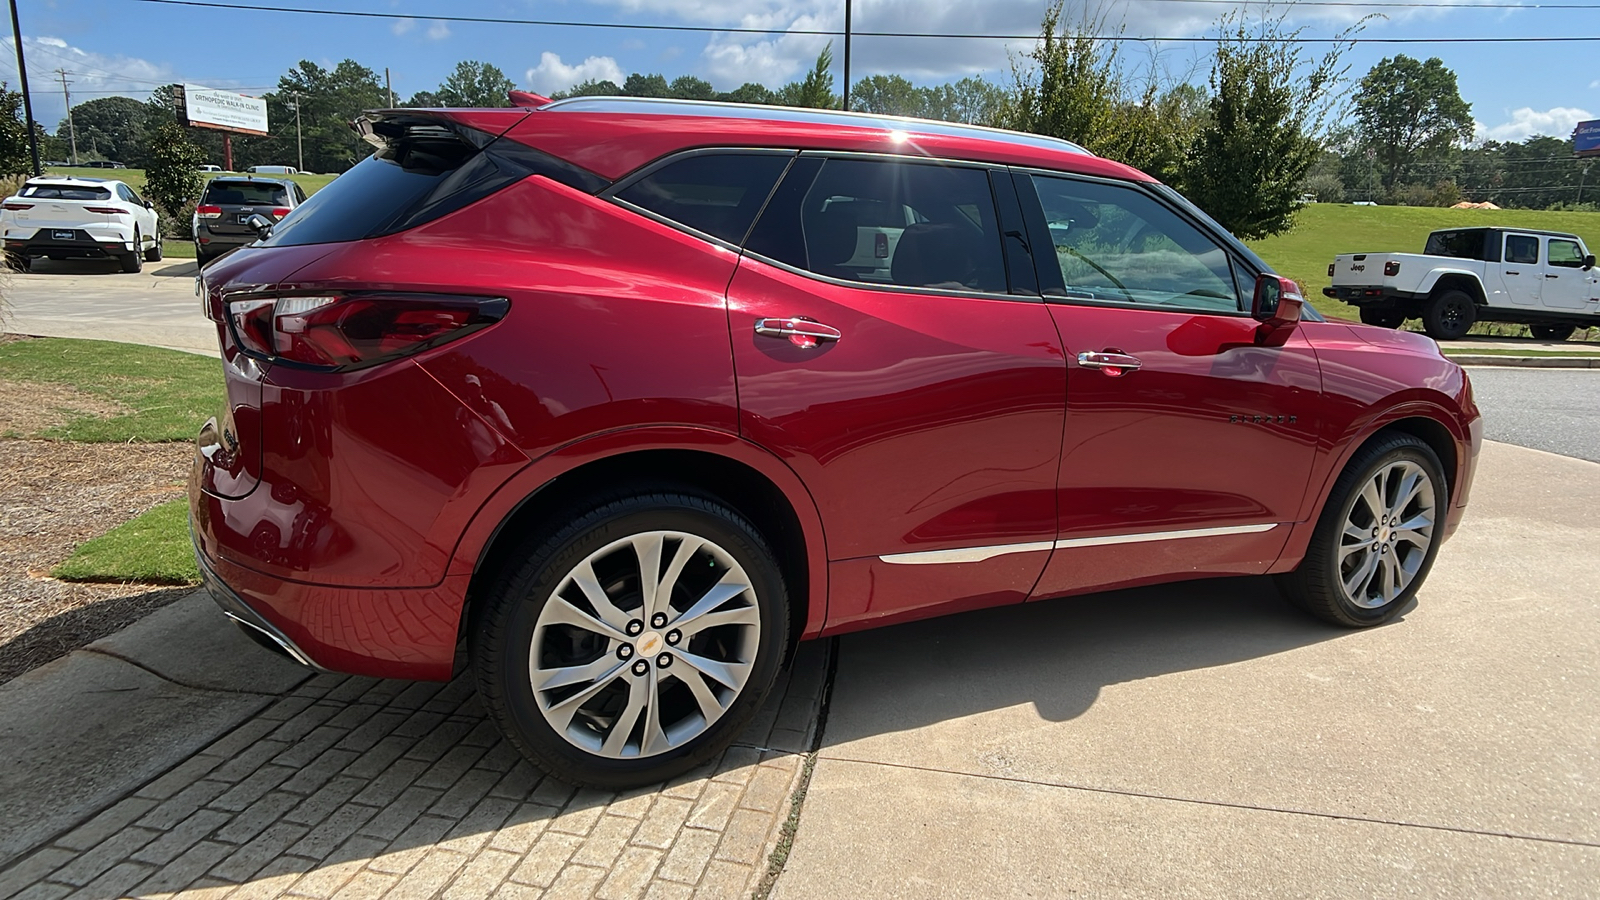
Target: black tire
x,y
154,253
1316,585
134,261
1448,315
1552,332
502,642
1383,318
201,257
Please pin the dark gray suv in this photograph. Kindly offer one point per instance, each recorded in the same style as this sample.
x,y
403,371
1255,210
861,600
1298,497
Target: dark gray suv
x,y
222,216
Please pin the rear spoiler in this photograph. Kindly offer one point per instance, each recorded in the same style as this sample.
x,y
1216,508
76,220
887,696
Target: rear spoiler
x,y
380,127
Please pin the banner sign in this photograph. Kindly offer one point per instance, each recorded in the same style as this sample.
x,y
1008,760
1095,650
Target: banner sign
x,y
225,109
1586,138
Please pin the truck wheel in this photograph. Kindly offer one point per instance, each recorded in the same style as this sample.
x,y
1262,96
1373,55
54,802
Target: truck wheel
x,y
1551,332
1449,315
1383,318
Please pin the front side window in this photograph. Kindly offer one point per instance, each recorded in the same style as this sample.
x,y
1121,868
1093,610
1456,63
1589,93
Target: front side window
x,y
891,223
1522,248
1122,245
1566,254
715,193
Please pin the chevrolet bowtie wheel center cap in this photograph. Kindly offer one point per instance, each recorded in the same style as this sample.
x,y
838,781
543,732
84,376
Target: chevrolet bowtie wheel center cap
x,y
649,643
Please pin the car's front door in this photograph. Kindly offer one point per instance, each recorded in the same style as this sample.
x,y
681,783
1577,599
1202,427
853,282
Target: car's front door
x,y
1520,270
1189,439
1567,284
881,352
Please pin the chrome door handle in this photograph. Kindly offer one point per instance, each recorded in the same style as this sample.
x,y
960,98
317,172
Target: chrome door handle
x,y
801,331
1109,362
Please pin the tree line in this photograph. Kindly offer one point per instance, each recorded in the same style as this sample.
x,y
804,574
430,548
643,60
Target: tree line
x,y
1271,125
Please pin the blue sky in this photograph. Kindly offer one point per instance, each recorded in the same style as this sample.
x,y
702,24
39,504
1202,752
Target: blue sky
x,y
128,47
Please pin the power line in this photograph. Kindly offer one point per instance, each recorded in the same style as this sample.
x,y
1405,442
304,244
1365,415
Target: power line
x,y
709,29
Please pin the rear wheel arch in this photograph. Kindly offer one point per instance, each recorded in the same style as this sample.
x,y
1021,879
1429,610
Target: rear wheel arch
x,y
1457,281
741,487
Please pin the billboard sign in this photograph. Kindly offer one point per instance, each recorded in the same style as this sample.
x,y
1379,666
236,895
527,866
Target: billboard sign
x,y
225,109
1586,138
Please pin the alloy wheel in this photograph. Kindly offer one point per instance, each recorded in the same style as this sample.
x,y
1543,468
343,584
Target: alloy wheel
x,y
644,644
1387,532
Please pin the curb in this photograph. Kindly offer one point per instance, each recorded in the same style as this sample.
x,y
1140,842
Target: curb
x,y
1529,362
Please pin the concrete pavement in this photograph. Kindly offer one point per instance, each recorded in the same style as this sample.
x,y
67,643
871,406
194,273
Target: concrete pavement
x,y
1205,740
94,299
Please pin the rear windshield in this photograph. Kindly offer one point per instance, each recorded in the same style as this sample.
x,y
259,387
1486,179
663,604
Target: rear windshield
x,y
245,193
65,192
1466,244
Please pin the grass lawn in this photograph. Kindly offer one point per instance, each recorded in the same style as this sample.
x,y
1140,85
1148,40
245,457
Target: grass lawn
x,y
171,249
159,395
1325,230
134,178
151,549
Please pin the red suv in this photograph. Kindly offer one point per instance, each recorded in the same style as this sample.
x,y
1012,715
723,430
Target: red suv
x,y
614,401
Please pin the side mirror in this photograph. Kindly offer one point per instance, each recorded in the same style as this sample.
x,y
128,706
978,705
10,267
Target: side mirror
x,y
1277,302
1588,262
261,224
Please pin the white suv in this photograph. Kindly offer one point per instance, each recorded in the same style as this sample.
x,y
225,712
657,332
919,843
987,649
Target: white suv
x,y
79,218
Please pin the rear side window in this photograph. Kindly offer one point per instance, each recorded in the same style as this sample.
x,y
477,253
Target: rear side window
x,y
1522,248
422,170
890,223
65,192
245,193
715,193
1457,244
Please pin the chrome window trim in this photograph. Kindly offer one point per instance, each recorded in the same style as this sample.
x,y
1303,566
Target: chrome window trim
x,y
979,554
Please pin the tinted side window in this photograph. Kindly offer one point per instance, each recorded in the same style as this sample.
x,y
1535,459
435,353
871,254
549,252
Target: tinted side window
x,y
1522,248
716,193
891,223
1458,244
1120,244
1565,254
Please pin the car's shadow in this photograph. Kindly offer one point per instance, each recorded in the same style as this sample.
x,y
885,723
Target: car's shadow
x,y
1056,654
169,268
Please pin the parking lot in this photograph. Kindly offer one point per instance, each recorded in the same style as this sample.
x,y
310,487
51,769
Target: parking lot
x,y
1189,740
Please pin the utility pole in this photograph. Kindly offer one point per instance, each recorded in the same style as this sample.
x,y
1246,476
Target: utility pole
x,y
299,145
71,128
27,102
847,5
388,86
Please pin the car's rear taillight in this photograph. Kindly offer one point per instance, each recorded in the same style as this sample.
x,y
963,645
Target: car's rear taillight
x,y
340,331
1391,268
208,212
15,207
107,210
1330,270
280,211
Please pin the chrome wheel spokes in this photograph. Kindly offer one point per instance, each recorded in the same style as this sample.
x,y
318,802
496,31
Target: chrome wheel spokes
x,y
1386,535
644,644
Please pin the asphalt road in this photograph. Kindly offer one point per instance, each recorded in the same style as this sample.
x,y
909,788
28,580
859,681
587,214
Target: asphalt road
x,y
1547,409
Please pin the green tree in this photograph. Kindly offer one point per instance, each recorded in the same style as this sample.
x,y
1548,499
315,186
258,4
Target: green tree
x,y
1069,86
816,89
1267,104
1410,112
15,157
638,85
750,92
172,177
594,87
110,128
329,99
888,95
688,87
424,100
477,84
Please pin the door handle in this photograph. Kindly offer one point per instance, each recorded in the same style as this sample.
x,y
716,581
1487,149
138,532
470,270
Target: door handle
x,y
1548,275
1513,273
1110,363
802,332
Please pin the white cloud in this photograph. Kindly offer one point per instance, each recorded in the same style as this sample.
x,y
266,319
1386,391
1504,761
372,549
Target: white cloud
x,y
1594,84
92,76
551,74
1527,122
438,31
402,26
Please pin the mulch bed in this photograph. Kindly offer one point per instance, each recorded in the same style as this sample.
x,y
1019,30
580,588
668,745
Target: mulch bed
x,y
53,496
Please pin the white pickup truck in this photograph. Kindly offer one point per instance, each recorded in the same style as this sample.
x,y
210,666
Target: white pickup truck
x,y
1543,279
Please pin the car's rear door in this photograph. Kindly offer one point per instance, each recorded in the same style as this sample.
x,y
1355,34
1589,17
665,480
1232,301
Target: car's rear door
x,y
1189,441
1520,269
882,351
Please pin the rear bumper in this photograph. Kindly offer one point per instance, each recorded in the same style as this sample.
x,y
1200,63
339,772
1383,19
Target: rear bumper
x,y
81,245
1369,297
234,607
220,241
